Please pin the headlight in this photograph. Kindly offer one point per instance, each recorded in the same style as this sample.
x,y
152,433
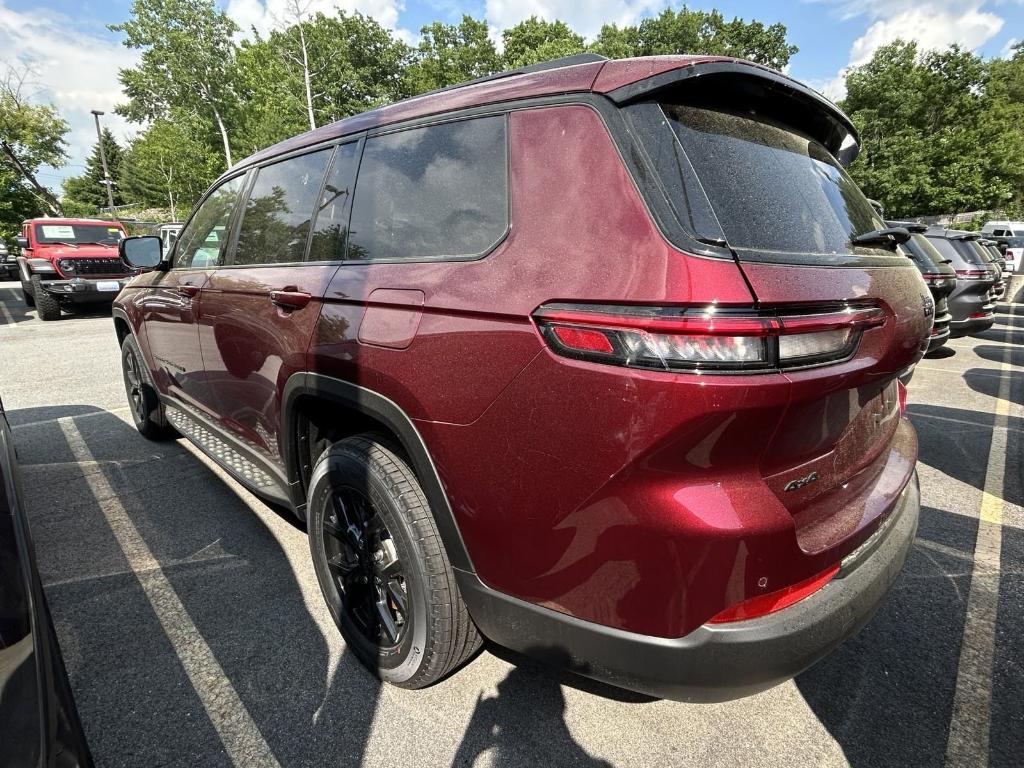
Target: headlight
x,y
67,266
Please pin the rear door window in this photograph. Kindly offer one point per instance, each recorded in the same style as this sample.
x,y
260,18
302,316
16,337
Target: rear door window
x,y
330,230
773,191
946,248
279,208
437,192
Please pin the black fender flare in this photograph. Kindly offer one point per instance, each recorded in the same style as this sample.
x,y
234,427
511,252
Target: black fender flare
x,y
388,413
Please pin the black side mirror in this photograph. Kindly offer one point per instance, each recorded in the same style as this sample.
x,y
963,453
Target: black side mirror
x,y
22,241
145,252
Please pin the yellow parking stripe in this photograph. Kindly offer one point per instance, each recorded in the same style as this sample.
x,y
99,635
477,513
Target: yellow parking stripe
x,y
972,702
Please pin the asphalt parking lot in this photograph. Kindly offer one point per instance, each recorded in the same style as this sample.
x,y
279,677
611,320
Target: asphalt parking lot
x,y
194,632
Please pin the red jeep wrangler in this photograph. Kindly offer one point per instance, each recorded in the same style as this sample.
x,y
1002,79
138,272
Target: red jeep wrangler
x,y
70,261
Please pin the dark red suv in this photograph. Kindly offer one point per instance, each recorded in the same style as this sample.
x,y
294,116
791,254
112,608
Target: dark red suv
x,y
597,360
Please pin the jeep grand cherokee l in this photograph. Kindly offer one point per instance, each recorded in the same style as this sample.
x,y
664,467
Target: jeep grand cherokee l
x,y
67,262
597,360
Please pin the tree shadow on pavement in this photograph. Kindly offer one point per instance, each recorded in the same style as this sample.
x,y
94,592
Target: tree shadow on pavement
x,y
995,353
886,695
309,698
16,309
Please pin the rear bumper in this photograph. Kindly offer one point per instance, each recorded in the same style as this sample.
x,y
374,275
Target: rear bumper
x,y
715,662
971,325
80,290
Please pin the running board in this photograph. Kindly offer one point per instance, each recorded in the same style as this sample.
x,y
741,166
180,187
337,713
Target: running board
x,y
249,473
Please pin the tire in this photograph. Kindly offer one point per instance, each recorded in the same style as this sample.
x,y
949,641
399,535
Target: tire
x,y
26,294
147,410
47,306
392,546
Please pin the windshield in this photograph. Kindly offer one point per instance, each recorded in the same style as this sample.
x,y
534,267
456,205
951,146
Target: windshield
x,y
772,189
78,234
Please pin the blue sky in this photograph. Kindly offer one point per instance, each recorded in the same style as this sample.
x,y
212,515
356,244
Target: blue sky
x,y
76,59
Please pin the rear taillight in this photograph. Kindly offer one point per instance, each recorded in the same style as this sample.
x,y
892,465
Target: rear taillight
x,y
762,605
901,393
933,278
710,339
972,274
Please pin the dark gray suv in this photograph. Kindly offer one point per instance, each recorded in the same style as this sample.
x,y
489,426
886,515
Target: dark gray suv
x,y
972,302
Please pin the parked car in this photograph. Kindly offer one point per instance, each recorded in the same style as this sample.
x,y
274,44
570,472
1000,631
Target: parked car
x,y
168,234
534,365
937,273
68,262
1003,232
8,264
39,723
972,302
975,241
1012,248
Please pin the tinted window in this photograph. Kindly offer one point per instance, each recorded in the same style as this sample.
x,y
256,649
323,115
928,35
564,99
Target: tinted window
x,y
773,189
438,191
924,253
275,222
946,249
331,227
201,243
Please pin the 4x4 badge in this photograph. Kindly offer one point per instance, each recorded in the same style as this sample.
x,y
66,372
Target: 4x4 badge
x,y
800,482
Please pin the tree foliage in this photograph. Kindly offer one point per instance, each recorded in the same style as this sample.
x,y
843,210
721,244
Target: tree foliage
x,y
689,31
535,40
31,136
187,62
451,53
940,131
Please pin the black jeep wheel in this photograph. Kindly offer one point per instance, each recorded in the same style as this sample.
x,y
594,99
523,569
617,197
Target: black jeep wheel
x,y
382,568
147,410
47,306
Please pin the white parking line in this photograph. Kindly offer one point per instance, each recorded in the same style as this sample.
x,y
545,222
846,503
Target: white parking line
x,y
242,740
972,702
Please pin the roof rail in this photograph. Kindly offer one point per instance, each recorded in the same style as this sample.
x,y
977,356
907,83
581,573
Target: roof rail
x,y
566,61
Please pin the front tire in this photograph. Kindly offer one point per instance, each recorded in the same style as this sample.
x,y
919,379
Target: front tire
x,y
47,306
147,410
382,567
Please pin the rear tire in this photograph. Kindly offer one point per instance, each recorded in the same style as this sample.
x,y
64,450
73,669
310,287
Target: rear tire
x,y
47,306
147,410
382,567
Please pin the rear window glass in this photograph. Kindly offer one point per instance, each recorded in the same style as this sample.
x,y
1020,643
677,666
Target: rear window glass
x,y
772,189
433,192
923,252
945,247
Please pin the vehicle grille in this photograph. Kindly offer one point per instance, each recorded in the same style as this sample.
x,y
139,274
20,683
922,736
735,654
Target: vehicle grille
x,y
89,267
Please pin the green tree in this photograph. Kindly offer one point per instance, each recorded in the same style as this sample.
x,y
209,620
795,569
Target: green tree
x,y
936,136
688,31
449,54
89,190
535,40
167,166
353,64
31,136
187,63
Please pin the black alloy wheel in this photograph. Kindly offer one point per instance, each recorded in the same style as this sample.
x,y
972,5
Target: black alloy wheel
x,y
364,563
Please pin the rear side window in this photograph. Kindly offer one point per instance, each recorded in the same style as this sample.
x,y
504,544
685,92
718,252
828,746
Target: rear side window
x,y
923,252
278,211
773,190
431,193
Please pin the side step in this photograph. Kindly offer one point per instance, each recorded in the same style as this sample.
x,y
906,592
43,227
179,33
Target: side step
x,y
249,473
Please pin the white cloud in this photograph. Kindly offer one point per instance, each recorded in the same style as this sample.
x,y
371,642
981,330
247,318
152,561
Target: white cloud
x,y
934,24
75,70
267,15
584,17
1007,50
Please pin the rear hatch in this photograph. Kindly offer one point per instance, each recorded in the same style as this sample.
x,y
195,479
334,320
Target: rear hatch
x,y
752,174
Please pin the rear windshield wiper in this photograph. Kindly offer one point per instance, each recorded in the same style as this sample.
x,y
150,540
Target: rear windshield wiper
x,y
889,237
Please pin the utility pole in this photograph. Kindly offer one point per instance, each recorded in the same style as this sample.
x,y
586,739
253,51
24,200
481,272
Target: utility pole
x,y
103,159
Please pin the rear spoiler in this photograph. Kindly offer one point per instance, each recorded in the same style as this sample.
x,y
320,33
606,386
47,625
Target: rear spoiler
x,y
771,93
910,226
